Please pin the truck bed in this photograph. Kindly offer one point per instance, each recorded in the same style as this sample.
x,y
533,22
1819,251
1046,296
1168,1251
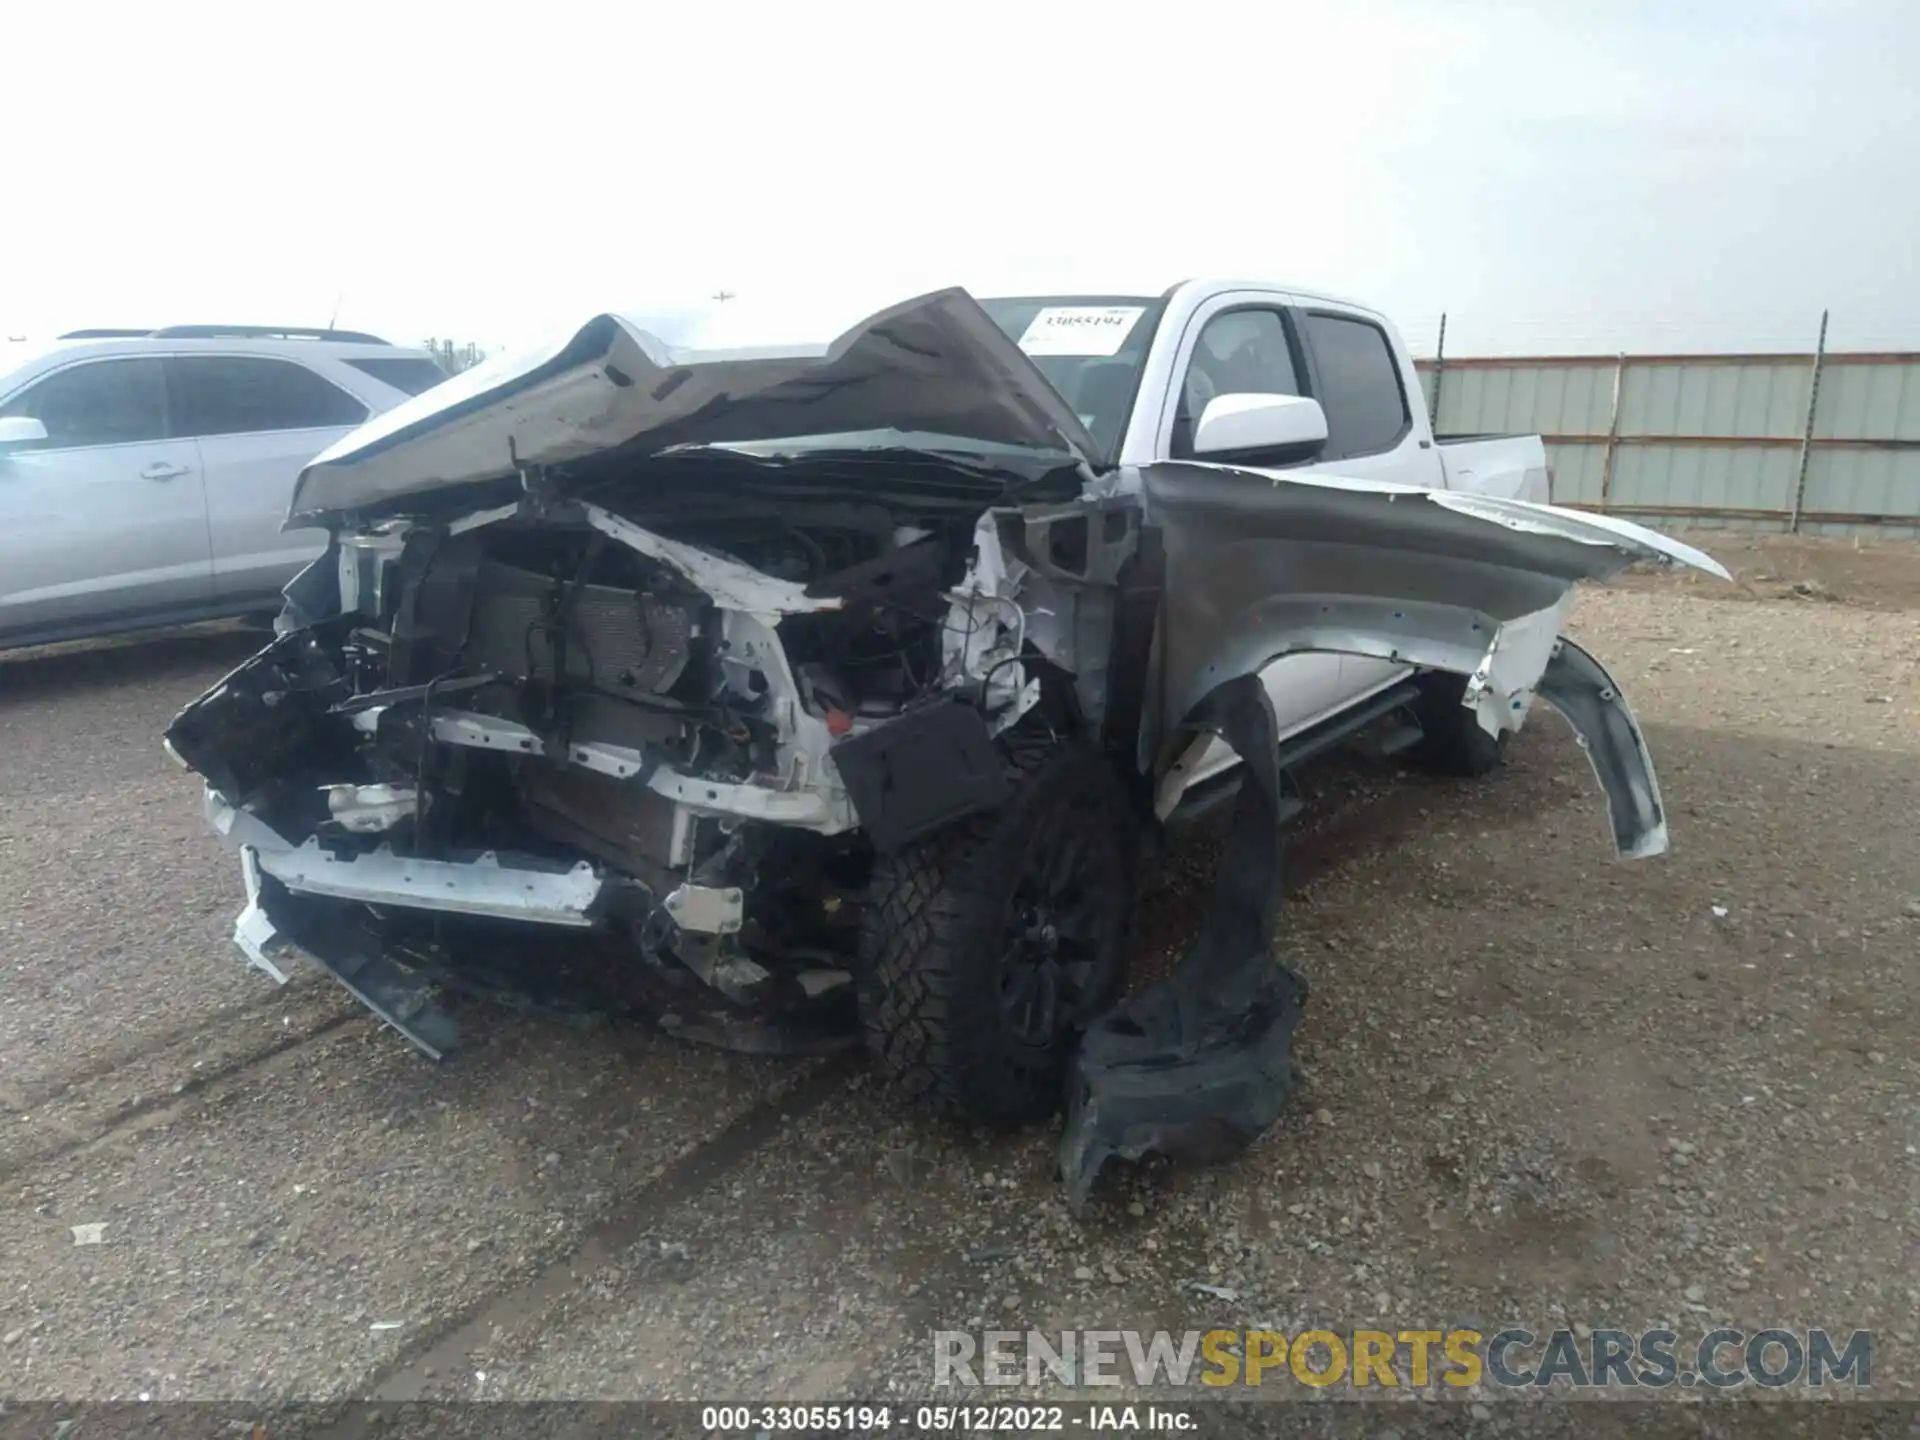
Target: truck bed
x,y
1512,467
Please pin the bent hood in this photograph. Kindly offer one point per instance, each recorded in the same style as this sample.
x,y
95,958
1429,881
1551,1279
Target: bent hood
x,y
937,364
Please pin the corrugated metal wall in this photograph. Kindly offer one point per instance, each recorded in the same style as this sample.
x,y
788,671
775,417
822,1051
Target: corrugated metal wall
x,y
1709,440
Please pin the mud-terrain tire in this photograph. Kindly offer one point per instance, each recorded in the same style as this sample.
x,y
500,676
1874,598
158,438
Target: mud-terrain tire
x,y
965,936
1453,743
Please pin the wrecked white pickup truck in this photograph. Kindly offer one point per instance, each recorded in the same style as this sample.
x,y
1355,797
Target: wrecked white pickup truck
x,y
792,692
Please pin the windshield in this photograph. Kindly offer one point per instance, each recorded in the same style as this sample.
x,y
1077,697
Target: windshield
x,y
1091,347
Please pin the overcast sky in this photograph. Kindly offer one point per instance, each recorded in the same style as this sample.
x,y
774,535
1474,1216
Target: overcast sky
x,y
1555,176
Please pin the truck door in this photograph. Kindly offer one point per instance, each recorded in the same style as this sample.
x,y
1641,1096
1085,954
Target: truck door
x,y
1373,429
1251,348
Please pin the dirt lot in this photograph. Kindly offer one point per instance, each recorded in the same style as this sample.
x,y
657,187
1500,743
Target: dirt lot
x,y
1542,1087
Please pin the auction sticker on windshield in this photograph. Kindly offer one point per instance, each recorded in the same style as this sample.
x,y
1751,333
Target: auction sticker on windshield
x,y
1080,329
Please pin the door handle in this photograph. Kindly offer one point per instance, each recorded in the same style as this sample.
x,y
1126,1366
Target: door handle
x,y
162,470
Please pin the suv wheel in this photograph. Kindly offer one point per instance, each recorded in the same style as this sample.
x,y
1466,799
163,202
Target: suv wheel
x,y
987,949
1454,743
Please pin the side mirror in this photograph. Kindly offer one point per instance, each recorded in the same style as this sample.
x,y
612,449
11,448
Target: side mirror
x,y
1266,429
18,430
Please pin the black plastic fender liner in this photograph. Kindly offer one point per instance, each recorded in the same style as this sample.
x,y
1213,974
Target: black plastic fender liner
x,y
1197,1066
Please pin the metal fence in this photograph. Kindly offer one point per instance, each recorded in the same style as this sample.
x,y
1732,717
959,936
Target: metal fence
x,y
1820,443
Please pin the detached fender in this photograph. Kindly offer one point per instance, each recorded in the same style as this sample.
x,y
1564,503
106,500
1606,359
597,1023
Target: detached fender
x,y
1261,565
1257,567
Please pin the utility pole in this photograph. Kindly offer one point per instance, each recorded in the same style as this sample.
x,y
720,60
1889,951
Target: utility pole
x,y
1439,369
1806,435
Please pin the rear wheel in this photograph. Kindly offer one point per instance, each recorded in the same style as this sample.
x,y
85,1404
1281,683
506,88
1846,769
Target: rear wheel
x,y
1454,742
986,950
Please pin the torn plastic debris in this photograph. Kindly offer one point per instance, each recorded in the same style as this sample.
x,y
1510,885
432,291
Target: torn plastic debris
x,y
348,947
1197,1066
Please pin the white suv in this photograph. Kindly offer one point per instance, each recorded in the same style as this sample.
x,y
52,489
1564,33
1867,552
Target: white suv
x,y
145,474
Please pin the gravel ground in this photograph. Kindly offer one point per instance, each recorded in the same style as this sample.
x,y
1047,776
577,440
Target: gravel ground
x,y
1541,1087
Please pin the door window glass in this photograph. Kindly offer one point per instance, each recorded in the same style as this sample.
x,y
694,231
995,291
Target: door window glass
x,y
241,394
1239,352
403,372
1360,386
97,402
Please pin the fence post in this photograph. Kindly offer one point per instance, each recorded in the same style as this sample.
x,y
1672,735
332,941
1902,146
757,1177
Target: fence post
x,y
1439,369
1806,435
1613,433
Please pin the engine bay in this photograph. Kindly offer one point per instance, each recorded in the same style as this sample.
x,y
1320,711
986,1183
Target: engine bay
x,y
552,688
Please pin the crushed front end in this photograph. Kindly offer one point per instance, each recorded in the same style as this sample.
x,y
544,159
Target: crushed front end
x,y
608,758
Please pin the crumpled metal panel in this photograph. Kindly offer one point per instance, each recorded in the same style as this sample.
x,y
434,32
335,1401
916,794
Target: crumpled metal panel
x,y
1199,1065
1259,567
935,364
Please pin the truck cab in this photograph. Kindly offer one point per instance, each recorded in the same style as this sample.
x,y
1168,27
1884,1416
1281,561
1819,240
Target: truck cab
x,y
1140,371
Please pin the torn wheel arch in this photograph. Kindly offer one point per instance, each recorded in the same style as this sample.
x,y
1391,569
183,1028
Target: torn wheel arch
x,y
1259,567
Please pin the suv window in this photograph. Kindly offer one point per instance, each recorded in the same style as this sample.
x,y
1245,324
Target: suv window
x,y
1239,352
240,394
408,373
99,402
1359,386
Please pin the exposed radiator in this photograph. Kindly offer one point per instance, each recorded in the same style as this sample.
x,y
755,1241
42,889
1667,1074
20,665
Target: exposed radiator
x,y
620,641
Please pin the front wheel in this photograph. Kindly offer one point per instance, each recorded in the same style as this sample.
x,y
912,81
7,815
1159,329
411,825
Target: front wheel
x,y
986,950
